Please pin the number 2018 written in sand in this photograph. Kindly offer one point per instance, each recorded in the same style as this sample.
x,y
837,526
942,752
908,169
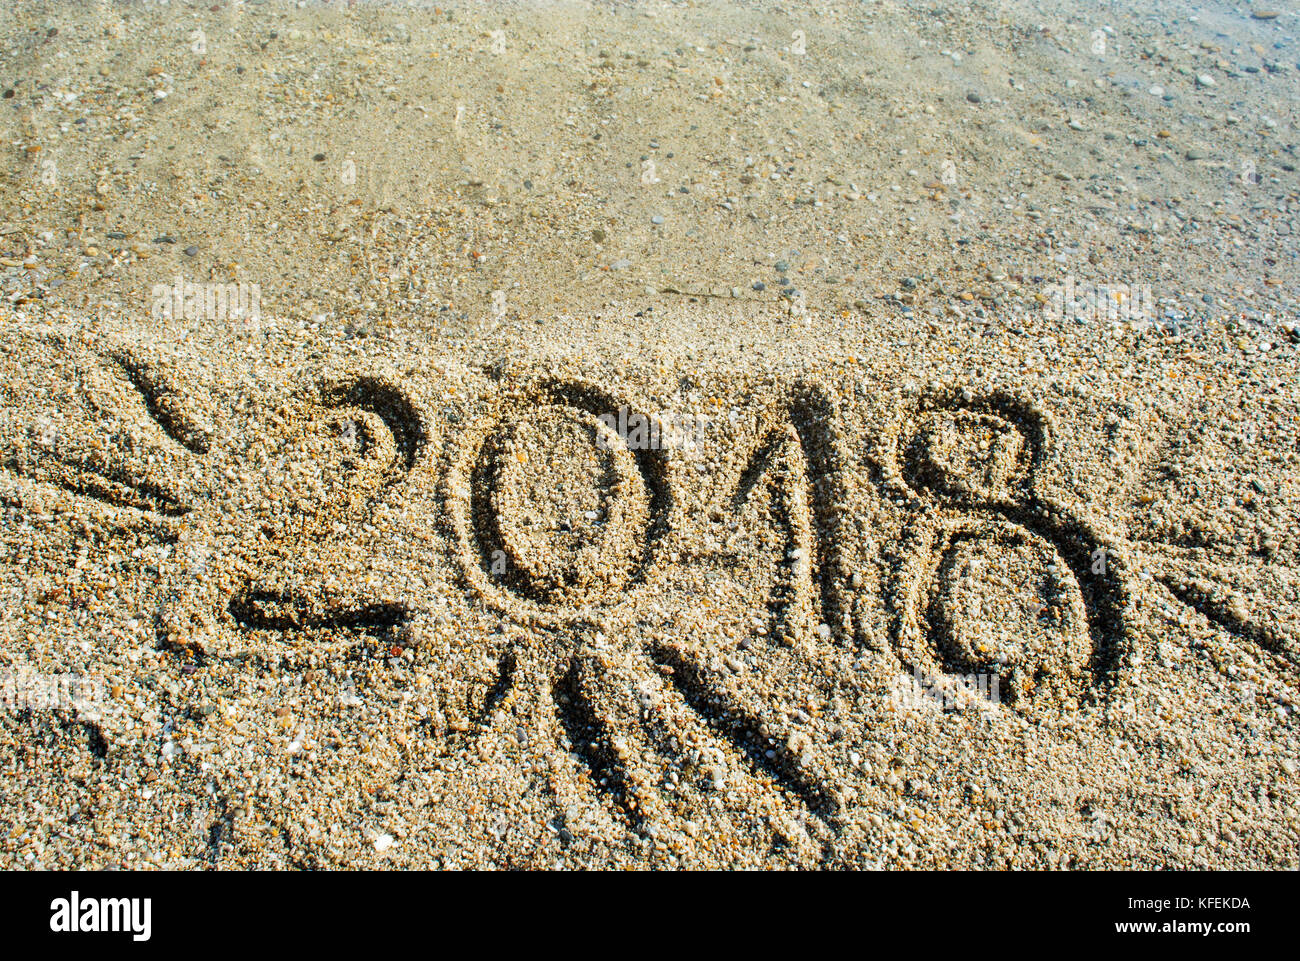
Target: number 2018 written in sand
x,y
567,506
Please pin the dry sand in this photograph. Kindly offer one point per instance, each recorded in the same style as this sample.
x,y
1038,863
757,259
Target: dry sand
x,y
385,572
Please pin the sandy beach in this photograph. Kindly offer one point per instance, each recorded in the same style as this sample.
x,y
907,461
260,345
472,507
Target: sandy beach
x,y
668,435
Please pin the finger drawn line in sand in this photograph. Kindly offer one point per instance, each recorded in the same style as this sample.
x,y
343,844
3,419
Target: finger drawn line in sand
x,y
798,455
507,665
378,396
380,435
352,453
114,487
794,477
53,723
350,441
592,742
1251,603
167,405
980,533
629,735
1226,612
526,473
778,471
778,460
274,611
120,485
560,517
1252,600
815,421
344,442
746,733
558,559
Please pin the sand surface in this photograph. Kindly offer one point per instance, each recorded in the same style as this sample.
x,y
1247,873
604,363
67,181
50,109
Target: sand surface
x,y
596,435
